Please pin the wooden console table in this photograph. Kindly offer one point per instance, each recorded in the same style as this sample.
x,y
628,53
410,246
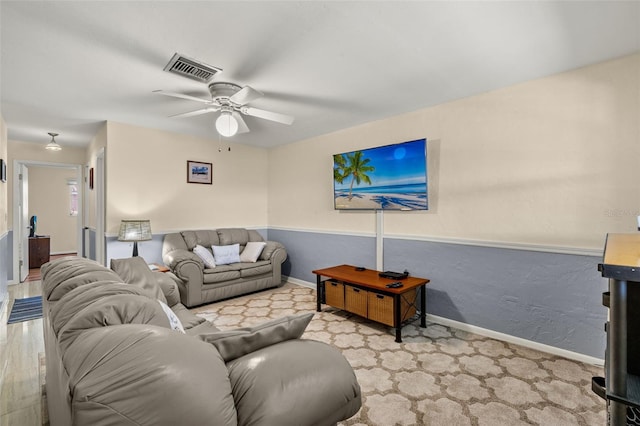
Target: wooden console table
x,y
365,293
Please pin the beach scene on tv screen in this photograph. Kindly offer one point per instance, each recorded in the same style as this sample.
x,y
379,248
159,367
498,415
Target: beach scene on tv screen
x,y
391,177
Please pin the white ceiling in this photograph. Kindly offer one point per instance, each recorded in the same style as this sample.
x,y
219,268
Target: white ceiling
x,y
67,66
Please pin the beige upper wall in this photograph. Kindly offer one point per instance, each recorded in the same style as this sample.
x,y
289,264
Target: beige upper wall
x,y
49,199
552,161
146,178
35,152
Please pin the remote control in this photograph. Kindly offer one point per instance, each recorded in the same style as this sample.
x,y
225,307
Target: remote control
x,y
360,268
397,284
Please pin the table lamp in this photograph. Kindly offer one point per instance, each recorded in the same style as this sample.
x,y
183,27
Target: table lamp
x,y
135,230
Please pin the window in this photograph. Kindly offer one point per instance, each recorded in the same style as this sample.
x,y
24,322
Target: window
x,y
73,200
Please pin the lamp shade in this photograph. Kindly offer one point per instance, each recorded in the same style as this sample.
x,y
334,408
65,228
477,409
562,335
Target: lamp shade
x,y
135,230
226,124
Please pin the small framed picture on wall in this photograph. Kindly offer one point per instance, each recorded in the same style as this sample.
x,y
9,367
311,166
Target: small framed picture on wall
x,y
198,172
3,170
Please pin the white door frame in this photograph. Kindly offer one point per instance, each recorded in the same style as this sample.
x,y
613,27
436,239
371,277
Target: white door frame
x,y
100,208
23,220
18,229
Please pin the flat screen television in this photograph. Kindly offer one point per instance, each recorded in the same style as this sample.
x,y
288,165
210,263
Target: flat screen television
x,y
390,177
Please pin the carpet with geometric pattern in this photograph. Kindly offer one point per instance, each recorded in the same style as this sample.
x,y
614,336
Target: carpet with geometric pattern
x,y
438,375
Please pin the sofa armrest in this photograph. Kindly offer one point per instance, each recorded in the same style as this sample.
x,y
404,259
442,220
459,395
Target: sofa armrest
x,y
295,382
273,250
189,269
175,257
169,288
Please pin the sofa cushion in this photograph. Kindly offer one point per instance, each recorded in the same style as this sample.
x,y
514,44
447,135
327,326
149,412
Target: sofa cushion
x,y
272,395
147,376
63,275
205,327
255,269
233,344
187,318
225,255
252,251
205,238
167,282
112,310
135,271
222,273
229,236
79,298
206,256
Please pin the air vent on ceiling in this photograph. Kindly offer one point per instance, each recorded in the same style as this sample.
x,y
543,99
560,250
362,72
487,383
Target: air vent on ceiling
x,y
191,68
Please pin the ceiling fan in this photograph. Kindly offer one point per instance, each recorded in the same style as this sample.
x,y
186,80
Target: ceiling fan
x,y
231,101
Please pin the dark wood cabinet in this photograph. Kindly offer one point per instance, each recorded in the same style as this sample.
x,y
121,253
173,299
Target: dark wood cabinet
x,y
39,249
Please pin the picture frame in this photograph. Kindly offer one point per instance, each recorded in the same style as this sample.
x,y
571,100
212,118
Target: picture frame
x,y
3,170
199,172
91,178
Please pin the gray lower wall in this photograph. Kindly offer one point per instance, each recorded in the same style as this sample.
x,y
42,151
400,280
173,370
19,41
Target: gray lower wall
x,y
5,267
308,251
89,243
151,250
548,298
8,255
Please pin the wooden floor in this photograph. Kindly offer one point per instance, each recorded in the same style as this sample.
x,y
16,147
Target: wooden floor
x,y
20,344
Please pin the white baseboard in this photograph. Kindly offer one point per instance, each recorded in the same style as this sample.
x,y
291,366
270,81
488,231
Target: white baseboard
x,y
516,340
301,282
493,334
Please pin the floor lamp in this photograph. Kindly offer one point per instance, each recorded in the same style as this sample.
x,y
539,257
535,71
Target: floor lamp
x,y
134,231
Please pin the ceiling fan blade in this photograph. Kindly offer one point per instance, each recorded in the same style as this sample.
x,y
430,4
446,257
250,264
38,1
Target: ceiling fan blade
x,y
245,95
267,115
242,126
182,96
196,112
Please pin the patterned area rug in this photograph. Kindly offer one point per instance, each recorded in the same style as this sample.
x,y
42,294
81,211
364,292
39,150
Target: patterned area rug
x,y
438,375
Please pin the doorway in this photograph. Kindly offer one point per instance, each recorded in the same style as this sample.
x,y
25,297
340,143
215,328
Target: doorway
x,y
21,218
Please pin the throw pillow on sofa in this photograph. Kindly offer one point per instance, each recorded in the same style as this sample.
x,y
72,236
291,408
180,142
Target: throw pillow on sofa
x,y
233,344
225,255
174,321
252,251
206,256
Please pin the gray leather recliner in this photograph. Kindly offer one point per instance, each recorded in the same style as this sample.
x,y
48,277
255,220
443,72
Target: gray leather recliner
x,y
113,358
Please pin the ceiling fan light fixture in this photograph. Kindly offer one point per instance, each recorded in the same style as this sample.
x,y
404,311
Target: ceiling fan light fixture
x,y
53,145
226,124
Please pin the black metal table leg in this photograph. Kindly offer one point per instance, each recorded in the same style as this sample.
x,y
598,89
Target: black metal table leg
x,y
397,320
319,292
617,374
423,306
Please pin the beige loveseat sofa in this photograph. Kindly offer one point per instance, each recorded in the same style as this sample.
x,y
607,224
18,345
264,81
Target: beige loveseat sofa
x,y
199,284
116,356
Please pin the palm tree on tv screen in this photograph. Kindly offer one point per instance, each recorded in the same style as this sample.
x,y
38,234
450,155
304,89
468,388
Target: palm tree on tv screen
x,y
339,167
357,168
